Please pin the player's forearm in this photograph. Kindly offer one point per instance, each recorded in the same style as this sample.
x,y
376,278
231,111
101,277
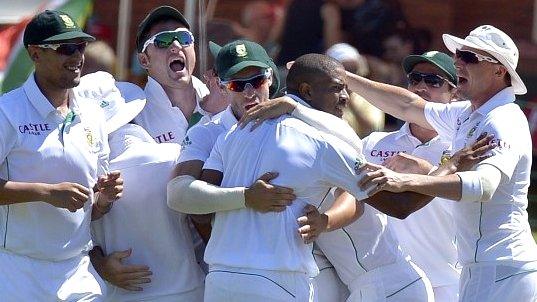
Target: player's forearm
x,y
343,212
398,205
448,186
393,100
191,196
12,192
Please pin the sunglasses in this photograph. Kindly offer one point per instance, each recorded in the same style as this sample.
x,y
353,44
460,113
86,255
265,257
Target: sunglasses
x,y
66,49
430,79
470,57
255,82
165,38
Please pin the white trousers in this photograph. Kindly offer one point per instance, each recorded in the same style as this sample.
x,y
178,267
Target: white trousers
x,y
328,286
26,279
225,284
448,293
398,282
494,282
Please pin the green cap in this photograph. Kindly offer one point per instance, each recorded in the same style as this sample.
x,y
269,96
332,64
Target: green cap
x,y
237,55
52,26
438,59
161,13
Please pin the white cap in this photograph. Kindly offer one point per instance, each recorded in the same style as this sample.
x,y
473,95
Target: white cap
x,y
345,52
495,42
121,101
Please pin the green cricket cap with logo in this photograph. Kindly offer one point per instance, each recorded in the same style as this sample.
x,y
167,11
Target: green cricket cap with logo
x,y
51,27
237,55
439,59
161,13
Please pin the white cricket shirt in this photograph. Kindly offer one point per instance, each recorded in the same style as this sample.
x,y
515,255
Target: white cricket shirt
x,y
159,237
308,161
200,139
428,234
497,230
366,244
38,144
163,121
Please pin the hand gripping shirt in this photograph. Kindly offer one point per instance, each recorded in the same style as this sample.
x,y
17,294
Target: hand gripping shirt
x,y
141,220
309,161
428,234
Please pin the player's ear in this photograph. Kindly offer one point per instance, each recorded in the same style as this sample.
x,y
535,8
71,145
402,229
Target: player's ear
x,y
304,89
143,58
33,52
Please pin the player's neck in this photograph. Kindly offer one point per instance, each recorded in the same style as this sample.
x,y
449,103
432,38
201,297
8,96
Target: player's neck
x,y
183,98
422,134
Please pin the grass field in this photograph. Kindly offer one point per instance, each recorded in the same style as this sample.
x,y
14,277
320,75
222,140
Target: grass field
x,y
535,235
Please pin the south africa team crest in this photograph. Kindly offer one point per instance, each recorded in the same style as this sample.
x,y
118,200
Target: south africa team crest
x,y
92,141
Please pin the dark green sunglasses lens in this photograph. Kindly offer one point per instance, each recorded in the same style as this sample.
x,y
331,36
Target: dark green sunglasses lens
x,y
164,40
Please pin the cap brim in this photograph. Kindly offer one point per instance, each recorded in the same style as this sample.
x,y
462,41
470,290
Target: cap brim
x,y
411,61
127,113
240,66
453,43
134,104
214,49
71,35
159,13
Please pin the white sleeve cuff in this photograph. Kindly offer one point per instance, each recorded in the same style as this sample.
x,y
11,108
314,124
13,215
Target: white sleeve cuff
x,y
191,196
480,184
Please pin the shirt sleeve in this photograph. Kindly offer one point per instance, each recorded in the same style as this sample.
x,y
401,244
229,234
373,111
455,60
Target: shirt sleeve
x,y
505,156
443,117
7,137
197,144
338,163
215,162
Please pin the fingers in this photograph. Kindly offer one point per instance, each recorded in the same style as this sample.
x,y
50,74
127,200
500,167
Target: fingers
x,y
120,255
267,177
368,167
80,188
289,64
365,182
482,140
249,116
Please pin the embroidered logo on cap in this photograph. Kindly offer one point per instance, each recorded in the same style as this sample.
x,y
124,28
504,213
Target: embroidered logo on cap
x,y
241,50
104,104
67,21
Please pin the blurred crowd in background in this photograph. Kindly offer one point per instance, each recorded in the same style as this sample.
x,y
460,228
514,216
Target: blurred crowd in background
x,y
370,37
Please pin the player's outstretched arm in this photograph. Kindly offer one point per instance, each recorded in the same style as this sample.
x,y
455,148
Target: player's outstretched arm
x,y
204,196
112,269
393,100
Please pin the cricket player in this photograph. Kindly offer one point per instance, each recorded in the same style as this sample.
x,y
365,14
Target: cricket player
x,y
428,235
137,264
53,154
495,244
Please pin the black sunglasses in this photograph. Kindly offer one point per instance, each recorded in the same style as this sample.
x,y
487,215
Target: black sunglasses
x,y
430,79
470,57
66,49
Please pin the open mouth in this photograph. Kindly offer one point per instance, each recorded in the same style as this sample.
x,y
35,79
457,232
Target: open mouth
x,y
177,65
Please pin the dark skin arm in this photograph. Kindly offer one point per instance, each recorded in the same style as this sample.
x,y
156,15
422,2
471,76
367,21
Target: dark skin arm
x,y
398,205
